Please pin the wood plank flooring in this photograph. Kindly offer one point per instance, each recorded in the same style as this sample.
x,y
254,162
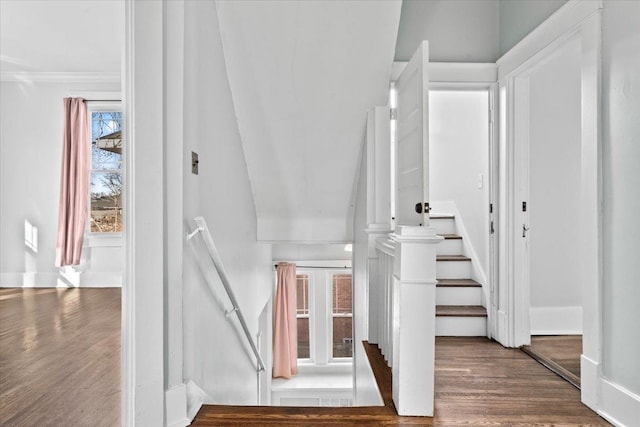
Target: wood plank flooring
x,y
60,366
478,383
59,357
560,353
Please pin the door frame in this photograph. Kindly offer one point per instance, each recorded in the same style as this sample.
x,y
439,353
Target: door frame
x,y
143,316
477,76
481,77
581,19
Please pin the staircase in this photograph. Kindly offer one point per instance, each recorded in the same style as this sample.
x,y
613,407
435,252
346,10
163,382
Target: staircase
x,y
459,310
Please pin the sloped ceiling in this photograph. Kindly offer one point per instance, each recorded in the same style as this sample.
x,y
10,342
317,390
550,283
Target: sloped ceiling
x,y
63,36
303,75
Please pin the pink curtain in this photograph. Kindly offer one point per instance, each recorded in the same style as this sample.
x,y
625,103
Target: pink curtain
x,y
74,182
285,328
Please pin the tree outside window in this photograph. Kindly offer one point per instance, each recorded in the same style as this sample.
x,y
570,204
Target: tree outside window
x,y
106,172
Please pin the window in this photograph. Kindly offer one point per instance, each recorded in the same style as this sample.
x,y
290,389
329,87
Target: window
x,y
302,314
342,315
106,170
324,315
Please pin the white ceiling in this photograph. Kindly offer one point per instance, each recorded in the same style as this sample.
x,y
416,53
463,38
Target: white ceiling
x,y
303,75
61,36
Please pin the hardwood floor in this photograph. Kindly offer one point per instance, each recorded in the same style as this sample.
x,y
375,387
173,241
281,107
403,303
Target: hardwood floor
x,y
478,383
60,366
560,353
59,357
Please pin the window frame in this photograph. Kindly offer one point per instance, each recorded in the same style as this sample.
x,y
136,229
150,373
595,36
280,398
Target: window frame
x,y
321,314
107,238
310,304
333,315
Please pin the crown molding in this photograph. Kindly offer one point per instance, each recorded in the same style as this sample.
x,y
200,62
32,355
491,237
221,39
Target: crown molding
x,y
59,77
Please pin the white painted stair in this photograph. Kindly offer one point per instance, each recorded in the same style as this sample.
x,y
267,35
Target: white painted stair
x,y
459,310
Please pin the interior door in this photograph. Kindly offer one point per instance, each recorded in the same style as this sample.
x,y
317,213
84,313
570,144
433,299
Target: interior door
x,y
521,232
412,142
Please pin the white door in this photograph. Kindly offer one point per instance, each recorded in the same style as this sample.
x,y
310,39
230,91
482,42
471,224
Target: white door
x,y
522,205
412,143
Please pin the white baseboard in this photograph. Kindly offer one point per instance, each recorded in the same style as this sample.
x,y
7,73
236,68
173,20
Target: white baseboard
x,y
556,320
176,406
589,379
502,322
86,279
618,405
196,397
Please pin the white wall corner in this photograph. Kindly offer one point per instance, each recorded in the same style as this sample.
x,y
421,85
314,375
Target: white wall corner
x,y
176,406
618,405
195,399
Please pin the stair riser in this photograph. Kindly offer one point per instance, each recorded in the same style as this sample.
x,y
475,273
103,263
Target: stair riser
x,y
453,269
449,247
443,225
461,326
458,296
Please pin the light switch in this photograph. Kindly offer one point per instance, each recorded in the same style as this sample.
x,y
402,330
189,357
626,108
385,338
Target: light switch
x,y
194,163
480,180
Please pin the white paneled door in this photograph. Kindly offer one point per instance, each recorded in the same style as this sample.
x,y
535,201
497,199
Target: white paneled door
x,y
412,143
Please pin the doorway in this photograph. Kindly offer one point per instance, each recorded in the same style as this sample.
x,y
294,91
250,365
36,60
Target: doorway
x,y
547,148
512,306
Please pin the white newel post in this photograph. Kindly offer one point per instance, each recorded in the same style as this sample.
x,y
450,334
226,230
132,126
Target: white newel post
x,y
414,319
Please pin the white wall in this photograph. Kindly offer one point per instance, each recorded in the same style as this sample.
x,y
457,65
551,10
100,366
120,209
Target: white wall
x,y
519,18
215,354
554,193
621,176
31,117
458,31
458,154
365,389
303,74
310,252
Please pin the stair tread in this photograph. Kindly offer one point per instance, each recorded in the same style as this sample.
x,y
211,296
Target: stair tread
x,y
461,311
448,236
452,258
458,283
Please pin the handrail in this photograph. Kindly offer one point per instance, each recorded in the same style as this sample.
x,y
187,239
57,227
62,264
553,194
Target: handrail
x,y
217,262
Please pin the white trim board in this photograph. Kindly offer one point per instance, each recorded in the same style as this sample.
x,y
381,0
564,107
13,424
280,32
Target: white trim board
x,y
615,399
196,397
59,77
555,320
176,407
111,95
143,299
61,280
556,27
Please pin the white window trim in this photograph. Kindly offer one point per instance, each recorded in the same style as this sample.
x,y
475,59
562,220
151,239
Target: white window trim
x,y
108,102
321,353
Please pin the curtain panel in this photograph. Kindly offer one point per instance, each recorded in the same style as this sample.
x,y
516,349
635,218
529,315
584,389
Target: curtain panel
x,y
74,182
285,328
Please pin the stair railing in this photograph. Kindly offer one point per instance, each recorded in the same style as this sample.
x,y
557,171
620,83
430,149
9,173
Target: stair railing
x,y
203,230
386,297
